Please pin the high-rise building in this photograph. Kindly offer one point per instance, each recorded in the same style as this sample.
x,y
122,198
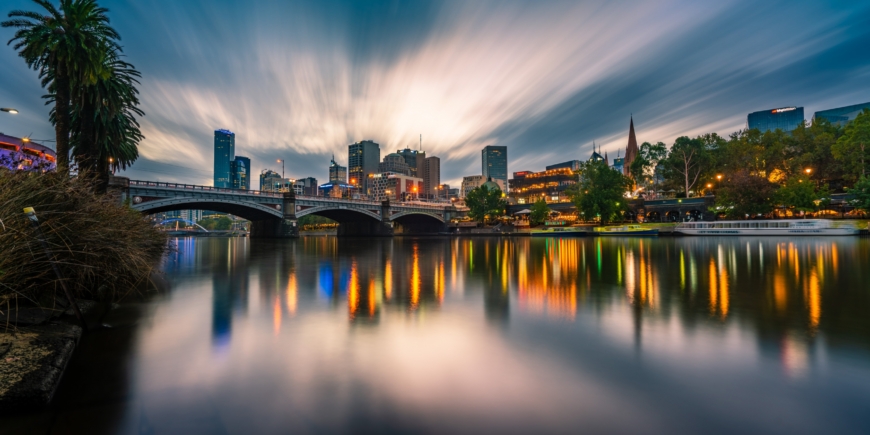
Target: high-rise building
x,y
269,179
841,115
305,186
394,163
494,165
784,118
631,149
470,183
362,159
224,155
241,173
414,159
337,173
431,176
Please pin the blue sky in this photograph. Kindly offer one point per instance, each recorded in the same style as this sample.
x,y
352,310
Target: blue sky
x,y
301,80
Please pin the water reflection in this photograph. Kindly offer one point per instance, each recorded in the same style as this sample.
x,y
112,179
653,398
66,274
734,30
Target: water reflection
x,y
445,334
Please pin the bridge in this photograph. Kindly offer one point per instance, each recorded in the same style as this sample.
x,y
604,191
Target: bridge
x,y
275,214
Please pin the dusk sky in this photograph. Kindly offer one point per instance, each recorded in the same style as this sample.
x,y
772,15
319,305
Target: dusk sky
x,y
301,80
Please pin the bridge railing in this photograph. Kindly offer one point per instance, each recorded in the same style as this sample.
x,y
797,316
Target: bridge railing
x,y
271,194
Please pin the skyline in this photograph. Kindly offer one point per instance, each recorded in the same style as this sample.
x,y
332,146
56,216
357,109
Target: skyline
x,y
301,82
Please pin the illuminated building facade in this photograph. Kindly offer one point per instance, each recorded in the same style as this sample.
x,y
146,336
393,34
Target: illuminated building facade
x,y
241,170
784,118
841,115
550,185
396,187
22,154
224,156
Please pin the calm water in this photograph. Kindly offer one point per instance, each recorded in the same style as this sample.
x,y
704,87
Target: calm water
x,y
684,335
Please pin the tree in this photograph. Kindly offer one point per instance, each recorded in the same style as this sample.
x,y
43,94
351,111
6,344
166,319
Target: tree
x,y
853,148
744,194
687,160
67,45
862,194
800,193
222,223
485,203
644,166
600,191
540,212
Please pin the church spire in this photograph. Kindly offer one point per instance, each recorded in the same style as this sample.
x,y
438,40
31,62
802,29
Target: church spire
x,y
630,150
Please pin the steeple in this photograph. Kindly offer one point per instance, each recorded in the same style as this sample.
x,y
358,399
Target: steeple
x,y
630,150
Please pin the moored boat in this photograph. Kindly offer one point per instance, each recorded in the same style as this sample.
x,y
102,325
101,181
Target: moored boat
x,y
626,230
785,227
559,232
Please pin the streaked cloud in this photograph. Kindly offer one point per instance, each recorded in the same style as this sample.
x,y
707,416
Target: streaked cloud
x,y
301,81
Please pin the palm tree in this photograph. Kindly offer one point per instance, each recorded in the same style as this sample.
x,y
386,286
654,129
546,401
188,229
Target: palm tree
x,y
68,46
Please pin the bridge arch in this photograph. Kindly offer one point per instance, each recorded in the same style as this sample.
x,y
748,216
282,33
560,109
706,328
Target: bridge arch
x,y
406,213
340,214
248,210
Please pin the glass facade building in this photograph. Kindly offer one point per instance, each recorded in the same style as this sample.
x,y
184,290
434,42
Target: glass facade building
x,y
224,156
841,115
362,160
337,173
784,118
493,160
241,173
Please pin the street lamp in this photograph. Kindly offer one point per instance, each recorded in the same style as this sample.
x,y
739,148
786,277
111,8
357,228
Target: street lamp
x,y
9,110
282,167
719,177
808,170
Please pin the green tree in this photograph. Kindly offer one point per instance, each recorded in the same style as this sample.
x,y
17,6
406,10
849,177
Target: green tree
x,y
853,148
687,160
540,212
67,46
485,203
222,223
600,191
800,193
744,194
862,194
642,169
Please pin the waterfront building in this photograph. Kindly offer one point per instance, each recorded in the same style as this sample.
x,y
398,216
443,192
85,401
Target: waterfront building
x,y
631,149
305,186
414,159
362,160
395,163
469,183
494,164
268,179
431,176
224,155
241,173
783,118
337,172
573,165
337,189
23,154
841,115
191,215
551,185
395,187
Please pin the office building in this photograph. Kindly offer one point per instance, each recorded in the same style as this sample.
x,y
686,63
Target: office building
x,y
573,165
191,215
396,187
453,193
528,187
362,160
841,115
241,173
337,172
494,165
337,189
784,118
431,176
269,179
224,155
414,159
631,149
470,183
394,163
619,165
305,186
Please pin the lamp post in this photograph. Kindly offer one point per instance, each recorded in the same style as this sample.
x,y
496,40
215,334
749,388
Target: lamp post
x,y
9,110
282,167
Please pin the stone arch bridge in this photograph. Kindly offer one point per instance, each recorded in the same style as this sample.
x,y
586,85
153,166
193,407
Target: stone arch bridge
x,y
275,214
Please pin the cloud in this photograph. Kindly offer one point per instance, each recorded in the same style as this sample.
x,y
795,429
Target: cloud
x,y
301,81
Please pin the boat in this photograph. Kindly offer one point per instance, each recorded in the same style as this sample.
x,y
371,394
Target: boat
x,y
559,232
785,227
626,230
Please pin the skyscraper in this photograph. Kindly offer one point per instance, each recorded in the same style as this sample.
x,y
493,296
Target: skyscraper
x,y
431,176
631,149
493,160
269,179
415,159
841,115
241,173
337,173
224,154
362,159
784,118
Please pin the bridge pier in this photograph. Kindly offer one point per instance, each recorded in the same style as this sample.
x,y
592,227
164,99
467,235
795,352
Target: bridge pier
x,y
284,228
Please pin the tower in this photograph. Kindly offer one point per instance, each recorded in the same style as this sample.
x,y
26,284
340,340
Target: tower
x,y
630,150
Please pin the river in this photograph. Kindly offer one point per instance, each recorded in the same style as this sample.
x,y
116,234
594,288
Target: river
x,y
489,335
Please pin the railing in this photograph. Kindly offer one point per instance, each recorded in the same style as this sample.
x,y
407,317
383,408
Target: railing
x,y
267,193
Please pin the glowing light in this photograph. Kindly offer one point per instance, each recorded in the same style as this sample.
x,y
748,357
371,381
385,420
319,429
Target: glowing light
x,y
291,294
415,280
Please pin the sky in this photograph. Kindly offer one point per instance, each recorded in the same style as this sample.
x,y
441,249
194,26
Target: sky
x,y
301,80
